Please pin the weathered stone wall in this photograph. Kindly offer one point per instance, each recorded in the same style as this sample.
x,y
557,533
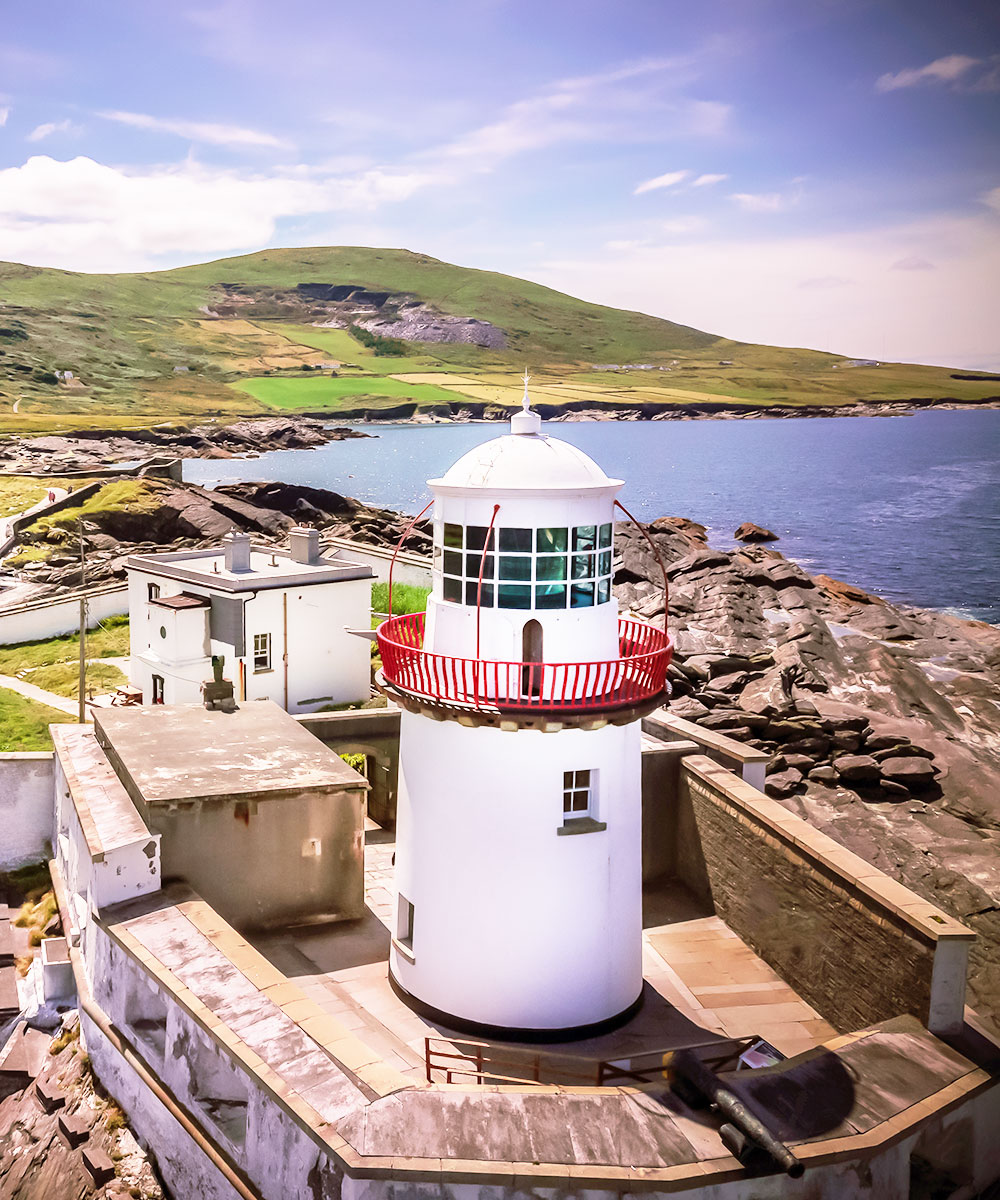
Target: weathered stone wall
x,y
26,809
848,956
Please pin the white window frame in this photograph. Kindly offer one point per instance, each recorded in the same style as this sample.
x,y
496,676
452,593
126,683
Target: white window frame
x,y
152,592
579,785
261,653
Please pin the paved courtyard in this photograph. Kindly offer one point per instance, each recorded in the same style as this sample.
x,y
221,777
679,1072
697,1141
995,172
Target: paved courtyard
x,y
702,981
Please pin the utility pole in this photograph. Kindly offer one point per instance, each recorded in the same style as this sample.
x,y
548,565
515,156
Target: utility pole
x,y
82,714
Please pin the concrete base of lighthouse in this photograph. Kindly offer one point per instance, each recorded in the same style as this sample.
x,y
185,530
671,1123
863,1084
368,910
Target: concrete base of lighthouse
x,y
514,918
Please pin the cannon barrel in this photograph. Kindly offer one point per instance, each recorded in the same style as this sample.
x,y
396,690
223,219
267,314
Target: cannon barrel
x,y
687,1064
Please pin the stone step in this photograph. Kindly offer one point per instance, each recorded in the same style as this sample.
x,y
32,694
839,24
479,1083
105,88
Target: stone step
x,y
98,1166
10,1005
6,943
50,1094
76,1128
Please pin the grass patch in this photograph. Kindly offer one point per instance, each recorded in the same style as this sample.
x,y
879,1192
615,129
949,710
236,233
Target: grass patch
x,y
325,391
20,492
109,639
132,495
24,724
406,598
64,678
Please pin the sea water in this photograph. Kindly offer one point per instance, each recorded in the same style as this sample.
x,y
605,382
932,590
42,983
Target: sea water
x,y
907,507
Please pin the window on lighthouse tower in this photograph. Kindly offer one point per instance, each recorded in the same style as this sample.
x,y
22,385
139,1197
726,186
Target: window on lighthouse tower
x,y
579,794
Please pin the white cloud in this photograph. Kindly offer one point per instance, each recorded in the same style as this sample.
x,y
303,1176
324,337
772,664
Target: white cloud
x,y
48,128
83,215
912,262
671,179
750,289
949,69
679,225
708,180
761,202
4,114
196,131
992,199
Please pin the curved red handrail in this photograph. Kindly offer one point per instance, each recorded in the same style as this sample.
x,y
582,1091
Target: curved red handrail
x,y
638,674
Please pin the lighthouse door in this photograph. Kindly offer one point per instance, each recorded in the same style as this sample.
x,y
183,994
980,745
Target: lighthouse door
x,y
531,653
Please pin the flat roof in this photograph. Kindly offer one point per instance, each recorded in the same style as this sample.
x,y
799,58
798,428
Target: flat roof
x,y
270,567
185,754
181,600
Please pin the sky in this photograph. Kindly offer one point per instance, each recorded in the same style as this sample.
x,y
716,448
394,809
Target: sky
x,y
821,174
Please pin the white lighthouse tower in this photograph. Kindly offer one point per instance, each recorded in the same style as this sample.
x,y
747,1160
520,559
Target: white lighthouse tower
x,y
518,852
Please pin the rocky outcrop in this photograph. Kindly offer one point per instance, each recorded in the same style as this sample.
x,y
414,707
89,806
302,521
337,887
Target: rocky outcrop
x,y
880,720
749,532
94,449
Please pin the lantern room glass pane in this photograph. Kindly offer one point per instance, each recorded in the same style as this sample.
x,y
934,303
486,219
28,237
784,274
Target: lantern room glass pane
x,y
513,595
585,537
515,567
451,589
452,563
472,588
474,561
583,566
604,591
475,537
605,538
550,595
604,563
552,541
582,595
516,541
550,566
453,536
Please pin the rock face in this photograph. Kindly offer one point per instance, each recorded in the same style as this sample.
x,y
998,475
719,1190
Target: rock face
x,y
881,720
749,532
44,1154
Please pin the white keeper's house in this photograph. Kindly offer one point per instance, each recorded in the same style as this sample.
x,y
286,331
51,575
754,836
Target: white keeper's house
x,y
280,618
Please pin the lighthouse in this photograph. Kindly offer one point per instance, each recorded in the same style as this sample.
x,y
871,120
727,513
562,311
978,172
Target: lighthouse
x,y
518,835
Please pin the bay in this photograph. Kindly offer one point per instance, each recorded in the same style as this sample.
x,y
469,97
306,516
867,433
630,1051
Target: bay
x,y
906,507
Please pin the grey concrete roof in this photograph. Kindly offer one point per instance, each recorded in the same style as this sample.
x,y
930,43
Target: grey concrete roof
x,y
107,815
269,568
186,754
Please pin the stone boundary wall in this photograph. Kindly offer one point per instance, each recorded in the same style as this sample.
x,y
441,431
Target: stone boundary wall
x,y
856,945
26,808
55,615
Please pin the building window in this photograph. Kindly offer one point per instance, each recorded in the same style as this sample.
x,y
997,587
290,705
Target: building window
x,y
404,922
578,794
262,652
152,591
570,567
157,696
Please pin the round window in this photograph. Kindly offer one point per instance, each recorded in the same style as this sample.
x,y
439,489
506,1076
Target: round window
x,y
163,631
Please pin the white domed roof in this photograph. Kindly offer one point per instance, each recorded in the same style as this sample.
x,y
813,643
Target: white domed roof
x,y
526,463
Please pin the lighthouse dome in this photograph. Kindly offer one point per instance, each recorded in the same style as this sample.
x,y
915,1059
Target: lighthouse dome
x,y
525,462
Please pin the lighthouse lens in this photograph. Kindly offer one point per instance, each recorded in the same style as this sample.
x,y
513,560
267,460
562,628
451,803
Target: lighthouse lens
x,y
552,541
514,567
605,536
551,566
516,541
453,536
583,566
582,595
585,537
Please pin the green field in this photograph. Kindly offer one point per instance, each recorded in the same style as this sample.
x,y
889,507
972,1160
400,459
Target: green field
x,y
315,392
144,348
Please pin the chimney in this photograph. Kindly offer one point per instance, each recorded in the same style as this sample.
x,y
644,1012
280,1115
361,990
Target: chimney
x,y
303,544
237,551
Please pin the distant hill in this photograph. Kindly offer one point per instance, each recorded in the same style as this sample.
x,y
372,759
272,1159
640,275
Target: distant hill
x,y
267,330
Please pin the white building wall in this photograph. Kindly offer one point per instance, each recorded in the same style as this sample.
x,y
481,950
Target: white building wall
x,y
49,618
26,794
515,924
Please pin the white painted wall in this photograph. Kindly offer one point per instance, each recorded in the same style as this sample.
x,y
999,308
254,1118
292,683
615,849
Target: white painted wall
x,y
51,617
326,664
410,568
515,925
26,808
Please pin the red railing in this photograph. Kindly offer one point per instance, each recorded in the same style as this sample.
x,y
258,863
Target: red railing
x,y
639,673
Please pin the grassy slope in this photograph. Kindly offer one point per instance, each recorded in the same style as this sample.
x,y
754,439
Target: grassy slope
x,y
124,335
24,724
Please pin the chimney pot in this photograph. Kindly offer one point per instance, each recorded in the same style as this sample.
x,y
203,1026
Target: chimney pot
x,y
303,544
237,551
